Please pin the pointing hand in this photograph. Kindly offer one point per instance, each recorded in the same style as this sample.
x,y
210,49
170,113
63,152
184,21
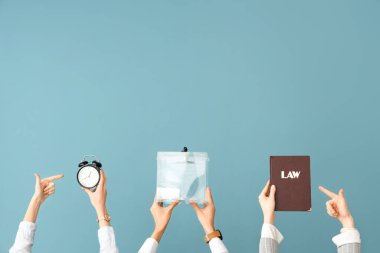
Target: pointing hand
x,y
45,187
337,207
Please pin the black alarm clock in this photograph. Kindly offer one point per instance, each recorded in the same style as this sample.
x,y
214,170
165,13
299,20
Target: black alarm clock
x,y
88,175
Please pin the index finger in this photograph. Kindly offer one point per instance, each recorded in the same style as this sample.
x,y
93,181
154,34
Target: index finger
x,y
53,178
327,192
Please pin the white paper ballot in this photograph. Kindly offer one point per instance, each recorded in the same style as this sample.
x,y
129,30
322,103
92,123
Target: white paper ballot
x,y
181,176
167,193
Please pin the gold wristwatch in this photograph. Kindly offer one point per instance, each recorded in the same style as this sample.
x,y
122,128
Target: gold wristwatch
x,y
212,235
106,218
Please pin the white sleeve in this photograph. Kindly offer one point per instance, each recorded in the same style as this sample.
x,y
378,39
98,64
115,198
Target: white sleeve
x,y
150,246
346,236
270,231
24,238
217,246
107,240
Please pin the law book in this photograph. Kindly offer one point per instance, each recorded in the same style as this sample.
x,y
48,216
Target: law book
x,y
291,176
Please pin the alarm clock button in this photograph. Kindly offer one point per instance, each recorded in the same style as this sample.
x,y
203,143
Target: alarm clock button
x,y
83,163
97,164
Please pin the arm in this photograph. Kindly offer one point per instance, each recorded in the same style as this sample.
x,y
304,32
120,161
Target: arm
x,y
27,228
348,241
349,238
270,236
106,234
206,216
161,216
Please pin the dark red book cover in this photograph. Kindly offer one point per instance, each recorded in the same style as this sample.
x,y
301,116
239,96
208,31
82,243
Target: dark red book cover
x,y
291,176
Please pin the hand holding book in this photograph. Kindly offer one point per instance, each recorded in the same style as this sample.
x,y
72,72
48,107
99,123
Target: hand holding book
x,y
267,203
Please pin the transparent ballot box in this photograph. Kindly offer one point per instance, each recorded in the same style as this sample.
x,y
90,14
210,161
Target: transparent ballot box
x,y
181,176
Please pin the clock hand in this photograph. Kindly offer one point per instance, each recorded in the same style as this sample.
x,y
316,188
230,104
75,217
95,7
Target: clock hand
x,y
85,177
81,178
88,175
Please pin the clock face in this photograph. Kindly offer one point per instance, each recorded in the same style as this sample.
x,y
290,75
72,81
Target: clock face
x,y
88,176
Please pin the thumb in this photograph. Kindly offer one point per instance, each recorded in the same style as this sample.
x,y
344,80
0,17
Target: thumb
x,y
172,205
195,206
38,180
342,197
87,190
272,191
341,193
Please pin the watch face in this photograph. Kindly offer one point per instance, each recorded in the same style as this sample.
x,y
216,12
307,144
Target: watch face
x,y
88,176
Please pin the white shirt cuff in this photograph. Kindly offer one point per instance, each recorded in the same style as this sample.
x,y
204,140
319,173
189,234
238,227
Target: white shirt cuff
x,y
107,240
150,246
217,246
347,235
27,230
270,231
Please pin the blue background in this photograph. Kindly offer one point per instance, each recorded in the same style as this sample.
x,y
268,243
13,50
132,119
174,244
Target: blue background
x,y
242,80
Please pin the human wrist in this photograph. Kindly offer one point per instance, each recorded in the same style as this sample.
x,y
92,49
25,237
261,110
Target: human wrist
x,y
101,211
102,214
269,219
36,200
209,228
348,222
33,209
104,223
157,234
103,218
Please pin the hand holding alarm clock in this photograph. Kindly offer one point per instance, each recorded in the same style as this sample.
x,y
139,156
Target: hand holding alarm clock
x,y
93,181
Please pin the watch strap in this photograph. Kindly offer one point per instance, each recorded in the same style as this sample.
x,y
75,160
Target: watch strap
x,y
213,235
106,218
